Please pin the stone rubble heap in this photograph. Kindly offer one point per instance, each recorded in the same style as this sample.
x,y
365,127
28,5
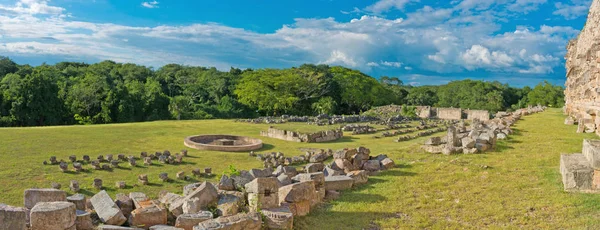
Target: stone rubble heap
x,y
316,137
276,159
480,136
255,199
357,129
318,120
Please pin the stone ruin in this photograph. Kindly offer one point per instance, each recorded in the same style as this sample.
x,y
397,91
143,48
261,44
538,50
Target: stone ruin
x,y
109,163
225,143
316,137
428,112
357,129
582,93
255,199
276,159
581,171
480,136
320,120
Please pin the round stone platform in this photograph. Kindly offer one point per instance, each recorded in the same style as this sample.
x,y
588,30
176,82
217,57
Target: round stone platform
x,y
225,143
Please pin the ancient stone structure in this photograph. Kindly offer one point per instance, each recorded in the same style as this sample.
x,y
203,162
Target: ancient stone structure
x,y
482,115
582,93
449,113
317,137
581,171
225,143
480,137
13,218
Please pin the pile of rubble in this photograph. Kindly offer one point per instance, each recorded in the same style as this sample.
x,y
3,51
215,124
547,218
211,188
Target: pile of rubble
x,y
479,136
420,134
255,199
322,119
276,159
357,129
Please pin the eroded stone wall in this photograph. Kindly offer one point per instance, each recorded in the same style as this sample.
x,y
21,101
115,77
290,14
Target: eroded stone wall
x,y
582,93
449,113
482,115
317,137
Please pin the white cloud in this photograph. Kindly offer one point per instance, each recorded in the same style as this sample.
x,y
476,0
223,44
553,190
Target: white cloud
x,y
32,7
572,10
386,5
429,39
151,5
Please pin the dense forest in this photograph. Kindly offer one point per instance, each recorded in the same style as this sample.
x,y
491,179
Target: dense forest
x,y
108,92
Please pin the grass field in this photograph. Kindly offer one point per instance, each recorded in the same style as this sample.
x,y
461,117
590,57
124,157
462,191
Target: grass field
x,y
517,186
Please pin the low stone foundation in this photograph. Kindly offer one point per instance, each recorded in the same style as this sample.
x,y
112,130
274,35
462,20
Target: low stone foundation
x,y
581,171
322,136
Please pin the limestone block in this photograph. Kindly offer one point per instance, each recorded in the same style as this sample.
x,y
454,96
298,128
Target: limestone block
x,y
13,218
591,151
338,182
296,192
278,218
258,201
53,216
148,216
576,172
83,220
33,196
229,204
360,177
115,227
78,200
263,185
246,221
188,221
108,212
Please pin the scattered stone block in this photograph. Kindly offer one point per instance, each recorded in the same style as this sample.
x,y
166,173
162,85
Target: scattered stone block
x,y
120,184
226,183
331,195
13,218
115,227
301,208
188,221
164,177
148,216
258,201
263,185
143,179
74,186
97,183
86,158
338,182
278,218
164,227
180,175
246,221
107,210
372,165
55,185
83,220
207,171
229,205
125,204
577,174
78,200
360,177
138,198
34,196
283,180
53,215
387,163
591,151
314,167
296,192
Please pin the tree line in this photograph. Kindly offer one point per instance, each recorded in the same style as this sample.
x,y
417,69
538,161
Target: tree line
x,y
109,92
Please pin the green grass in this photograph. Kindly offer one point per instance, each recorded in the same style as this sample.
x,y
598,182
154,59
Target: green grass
x,y
521,187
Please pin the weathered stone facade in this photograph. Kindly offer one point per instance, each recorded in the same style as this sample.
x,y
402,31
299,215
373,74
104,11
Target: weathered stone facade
x,y
449,113
322,136
426,112
582,93
482,115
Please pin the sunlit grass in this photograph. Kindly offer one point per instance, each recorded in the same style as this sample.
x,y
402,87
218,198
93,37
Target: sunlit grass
x,y
520,188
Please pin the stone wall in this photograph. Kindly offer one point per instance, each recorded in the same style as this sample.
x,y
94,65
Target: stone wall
x,y
424,111
482,115
449,113
317,137
582,93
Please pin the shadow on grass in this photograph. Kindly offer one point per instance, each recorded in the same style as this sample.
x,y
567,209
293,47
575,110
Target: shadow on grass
x,y
343,140
154,184
266,147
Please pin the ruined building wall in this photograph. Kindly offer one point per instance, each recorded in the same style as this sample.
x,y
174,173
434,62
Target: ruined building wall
x,y
482,115
449,113
582,93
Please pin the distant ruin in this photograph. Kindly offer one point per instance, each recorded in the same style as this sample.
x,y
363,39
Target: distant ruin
x,y
428,112
226,143
317,137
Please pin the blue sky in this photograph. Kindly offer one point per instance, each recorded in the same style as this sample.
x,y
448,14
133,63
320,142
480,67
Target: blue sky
x,y
519,42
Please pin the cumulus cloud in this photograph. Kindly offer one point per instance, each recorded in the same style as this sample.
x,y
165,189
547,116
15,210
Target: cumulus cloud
x,y
32,7
430,39
151,5
386,5
572,10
